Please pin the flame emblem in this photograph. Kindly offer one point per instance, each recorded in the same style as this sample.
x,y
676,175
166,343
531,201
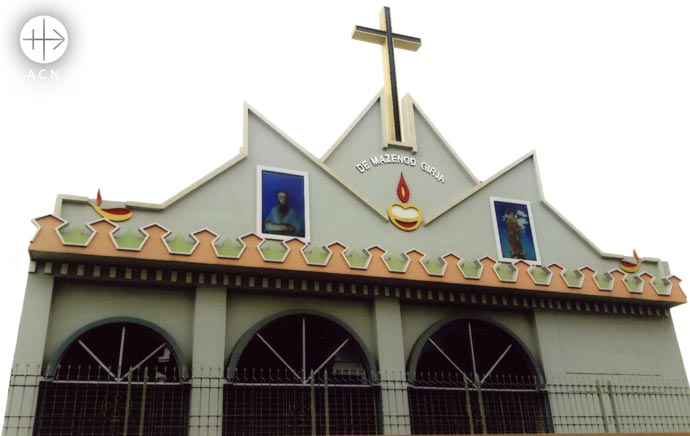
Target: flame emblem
x,y
631,265
404,216
112,214
403,190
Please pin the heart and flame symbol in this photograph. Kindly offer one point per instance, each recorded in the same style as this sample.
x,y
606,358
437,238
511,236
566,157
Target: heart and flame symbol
x,y
404,216
630,265
112,214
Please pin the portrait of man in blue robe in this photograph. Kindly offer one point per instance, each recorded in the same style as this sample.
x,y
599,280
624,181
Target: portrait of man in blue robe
x,y
284,219
283,203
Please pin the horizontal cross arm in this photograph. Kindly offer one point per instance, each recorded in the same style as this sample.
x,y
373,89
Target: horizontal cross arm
x,y
367,34
406,42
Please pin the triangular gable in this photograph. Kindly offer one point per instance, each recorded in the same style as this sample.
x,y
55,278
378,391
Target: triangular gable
x,y
559,240
225,201
221,219
434,173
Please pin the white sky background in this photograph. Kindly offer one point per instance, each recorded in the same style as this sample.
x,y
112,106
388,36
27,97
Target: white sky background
x,y
150,99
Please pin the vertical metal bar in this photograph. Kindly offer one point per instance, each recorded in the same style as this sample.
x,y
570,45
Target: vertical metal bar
x,y
637,408
127,403
304,350
122,347
627,406
601,406
25,386
659,424
474,363
481,403
571,404
652,409
11,398
679,398
674,397
468,404
669,407
143,402
325,403
666,407
313,403
614,408
583,402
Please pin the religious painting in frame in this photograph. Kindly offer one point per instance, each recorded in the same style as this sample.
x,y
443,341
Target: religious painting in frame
x,y
516,237
282,203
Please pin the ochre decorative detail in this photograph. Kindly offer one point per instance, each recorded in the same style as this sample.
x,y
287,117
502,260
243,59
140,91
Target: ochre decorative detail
x,y
375,263
316,255
435,266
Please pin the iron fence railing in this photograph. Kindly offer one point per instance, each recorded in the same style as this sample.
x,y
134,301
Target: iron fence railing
x,y
442,404
87,401
278,404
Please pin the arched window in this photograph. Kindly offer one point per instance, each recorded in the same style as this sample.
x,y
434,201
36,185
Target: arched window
x,y
111,376
297,373
470,376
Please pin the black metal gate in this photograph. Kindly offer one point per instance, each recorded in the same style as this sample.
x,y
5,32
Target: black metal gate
x,y
267,406
131,407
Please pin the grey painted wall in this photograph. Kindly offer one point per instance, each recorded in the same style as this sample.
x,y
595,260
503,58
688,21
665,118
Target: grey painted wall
x,y
608,347
565,343
227,203
76,305
379,183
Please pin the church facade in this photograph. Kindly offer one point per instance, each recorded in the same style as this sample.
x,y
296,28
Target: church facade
x,y
380,289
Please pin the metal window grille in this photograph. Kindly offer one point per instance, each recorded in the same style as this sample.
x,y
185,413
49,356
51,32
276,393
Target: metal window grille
x,y
450,404
272,403
88,403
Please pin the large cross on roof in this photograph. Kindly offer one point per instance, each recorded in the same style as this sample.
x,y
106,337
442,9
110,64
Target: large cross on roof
x,y
388,41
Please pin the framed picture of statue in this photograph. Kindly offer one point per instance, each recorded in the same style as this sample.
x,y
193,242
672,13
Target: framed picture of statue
x,y
514,228
282,203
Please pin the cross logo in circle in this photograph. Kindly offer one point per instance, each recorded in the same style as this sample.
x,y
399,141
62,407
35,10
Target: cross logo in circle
x,y
43,39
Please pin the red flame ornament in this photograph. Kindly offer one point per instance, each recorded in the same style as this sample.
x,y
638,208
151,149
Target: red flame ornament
x,y
403,190
630,265
404,216
113,214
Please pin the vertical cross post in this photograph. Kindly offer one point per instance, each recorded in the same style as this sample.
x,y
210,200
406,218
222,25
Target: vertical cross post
x,y
388,41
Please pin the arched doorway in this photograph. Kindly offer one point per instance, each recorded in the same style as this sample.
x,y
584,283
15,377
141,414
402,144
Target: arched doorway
x,y
473,376
299,373
113,375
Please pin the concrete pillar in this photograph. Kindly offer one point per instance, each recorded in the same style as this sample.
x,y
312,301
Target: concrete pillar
x,y
549,342
549,347
208,360
391,359
28,355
